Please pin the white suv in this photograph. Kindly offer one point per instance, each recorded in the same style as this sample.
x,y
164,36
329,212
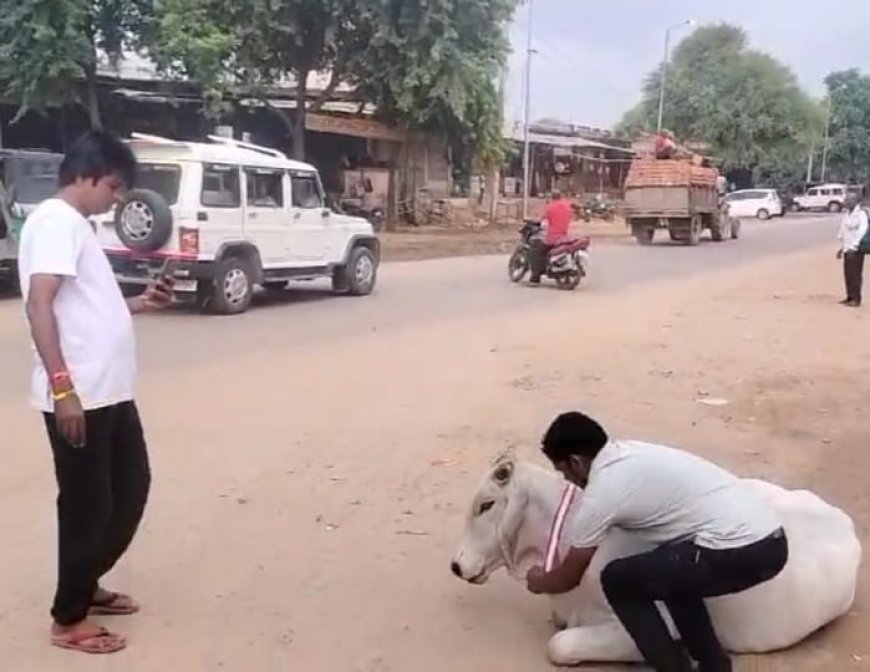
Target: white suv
x,y
225,216
828,197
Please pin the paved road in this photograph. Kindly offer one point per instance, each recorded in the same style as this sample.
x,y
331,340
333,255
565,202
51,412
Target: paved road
x,y
414,292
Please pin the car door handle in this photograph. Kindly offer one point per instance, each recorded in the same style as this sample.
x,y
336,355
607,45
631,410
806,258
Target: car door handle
x,y
252,215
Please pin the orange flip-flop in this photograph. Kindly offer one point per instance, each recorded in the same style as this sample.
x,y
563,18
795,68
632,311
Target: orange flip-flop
x,y
114,604
98,642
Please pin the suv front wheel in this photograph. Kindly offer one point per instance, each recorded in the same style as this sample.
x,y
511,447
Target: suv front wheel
x,y
232,289
359,276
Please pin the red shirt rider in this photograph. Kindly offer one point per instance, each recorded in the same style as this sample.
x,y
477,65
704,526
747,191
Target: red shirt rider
x,y
559,216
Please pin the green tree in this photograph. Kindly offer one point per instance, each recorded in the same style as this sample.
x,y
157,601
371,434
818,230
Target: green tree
x,y
49,49
849,146
233,48
747,107
426,64
433,65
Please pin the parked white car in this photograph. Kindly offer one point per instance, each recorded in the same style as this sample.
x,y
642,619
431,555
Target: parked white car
x,y
225,216
828,197
759,203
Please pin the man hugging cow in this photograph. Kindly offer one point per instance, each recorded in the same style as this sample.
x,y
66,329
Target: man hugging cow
x,y
655,525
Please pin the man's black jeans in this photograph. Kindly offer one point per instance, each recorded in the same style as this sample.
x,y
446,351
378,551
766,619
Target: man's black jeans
x,y
853,271
538,259
682,576
102,491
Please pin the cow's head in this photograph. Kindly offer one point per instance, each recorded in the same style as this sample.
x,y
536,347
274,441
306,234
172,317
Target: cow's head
x,y
492,524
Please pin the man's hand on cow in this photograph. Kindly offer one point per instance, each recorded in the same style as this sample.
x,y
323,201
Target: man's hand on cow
x,y
535,580
565,577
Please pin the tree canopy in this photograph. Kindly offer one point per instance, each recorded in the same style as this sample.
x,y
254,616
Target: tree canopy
x,y
849,101
746,106
433,65
426,64
48,48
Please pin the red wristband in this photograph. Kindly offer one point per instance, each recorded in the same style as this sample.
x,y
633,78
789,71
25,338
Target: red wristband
x,y
61,377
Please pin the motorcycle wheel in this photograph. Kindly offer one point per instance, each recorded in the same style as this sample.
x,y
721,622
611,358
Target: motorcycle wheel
x,y
569,281
518,266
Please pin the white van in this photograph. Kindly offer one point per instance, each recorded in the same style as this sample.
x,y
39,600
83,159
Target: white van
x,y
760,203
224,216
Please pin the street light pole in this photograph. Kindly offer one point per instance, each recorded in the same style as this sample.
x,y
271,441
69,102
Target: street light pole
x,y
527,155
827,135
664,75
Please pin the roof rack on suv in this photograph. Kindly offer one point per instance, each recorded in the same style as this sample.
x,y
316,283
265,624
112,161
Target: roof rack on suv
x,y
156,139
247,145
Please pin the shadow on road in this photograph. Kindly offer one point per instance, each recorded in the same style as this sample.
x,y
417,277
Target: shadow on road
x,y
265,300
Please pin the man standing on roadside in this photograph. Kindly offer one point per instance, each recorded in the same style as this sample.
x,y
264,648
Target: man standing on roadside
x,y
852,232
83,383
557,220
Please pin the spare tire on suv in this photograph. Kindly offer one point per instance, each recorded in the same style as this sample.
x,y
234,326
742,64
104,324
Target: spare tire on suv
x,y
143,220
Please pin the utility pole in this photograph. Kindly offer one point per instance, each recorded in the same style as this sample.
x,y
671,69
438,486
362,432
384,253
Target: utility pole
x,y
827,140
493,176
810,163
664,75
527,163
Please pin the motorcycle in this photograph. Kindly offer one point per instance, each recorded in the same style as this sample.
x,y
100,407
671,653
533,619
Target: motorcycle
x,y
600,209
567,262
375,216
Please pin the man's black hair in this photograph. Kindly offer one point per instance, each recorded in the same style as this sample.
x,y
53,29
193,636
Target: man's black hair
x,y
574,434
96,155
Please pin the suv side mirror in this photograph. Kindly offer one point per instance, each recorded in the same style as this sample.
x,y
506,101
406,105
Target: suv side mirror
x,y
326,212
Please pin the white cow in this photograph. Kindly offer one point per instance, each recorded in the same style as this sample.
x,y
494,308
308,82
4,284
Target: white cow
x,y
509,526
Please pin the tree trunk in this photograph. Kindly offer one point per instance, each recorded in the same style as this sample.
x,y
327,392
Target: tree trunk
x,y
93,99
301,110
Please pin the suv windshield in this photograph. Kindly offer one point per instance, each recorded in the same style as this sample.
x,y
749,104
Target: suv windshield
x,y
165,179
34,178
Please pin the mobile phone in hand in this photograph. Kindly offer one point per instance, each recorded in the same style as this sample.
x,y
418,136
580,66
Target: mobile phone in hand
x,y
166,275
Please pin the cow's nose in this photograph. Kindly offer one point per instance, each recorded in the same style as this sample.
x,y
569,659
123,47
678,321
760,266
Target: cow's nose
x,y
456,569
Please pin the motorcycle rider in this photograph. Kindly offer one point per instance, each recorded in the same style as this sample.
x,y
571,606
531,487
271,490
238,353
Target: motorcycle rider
x,y
557,220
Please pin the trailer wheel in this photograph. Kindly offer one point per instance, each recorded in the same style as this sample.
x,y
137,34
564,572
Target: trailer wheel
x,y
643,231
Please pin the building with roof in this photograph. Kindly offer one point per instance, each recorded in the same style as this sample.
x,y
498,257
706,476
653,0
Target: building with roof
x,y
351,148
565,158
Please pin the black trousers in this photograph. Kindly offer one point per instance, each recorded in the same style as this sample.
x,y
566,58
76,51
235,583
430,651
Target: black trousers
x,y
853,270
102,491
682,576
538,254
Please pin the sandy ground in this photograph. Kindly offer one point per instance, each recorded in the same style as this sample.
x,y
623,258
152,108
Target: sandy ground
x,y
308,496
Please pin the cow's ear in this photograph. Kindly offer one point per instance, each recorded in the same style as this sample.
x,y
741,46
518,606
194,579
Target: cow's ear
x,y
503,473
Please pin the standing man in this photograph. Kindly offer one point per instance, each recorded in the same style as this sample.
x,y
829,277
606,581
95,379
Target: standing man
x,y
83,383
557,222
852,232
713,537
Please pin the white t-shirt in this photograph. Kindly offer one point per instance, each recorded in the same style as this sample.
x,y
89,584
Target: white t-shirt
x,y
665,495
853,228
95,325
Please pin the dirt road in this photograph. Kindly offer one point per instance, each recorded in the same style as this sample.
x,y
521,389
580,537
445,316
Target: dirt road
x,y
313,459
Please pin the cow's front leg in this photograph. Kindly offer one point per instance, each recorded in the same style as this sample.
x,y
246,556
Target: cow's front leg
x,y
608,643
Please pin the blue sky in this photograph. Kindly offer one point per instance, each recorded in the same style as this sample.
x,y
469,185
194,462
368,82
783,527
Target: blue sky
x,y
593,56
